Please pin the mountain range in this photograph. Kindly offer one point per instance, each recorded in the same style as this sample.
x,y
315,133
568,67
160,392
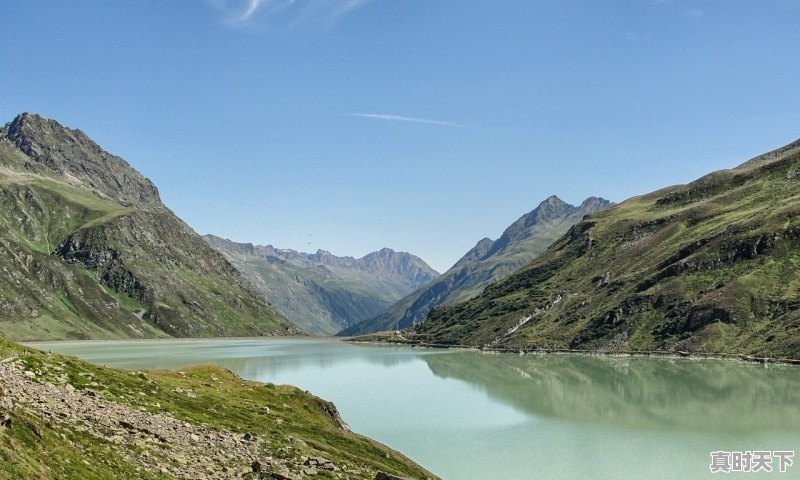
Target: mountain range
x,y
708,267
320,292
487,262
88,250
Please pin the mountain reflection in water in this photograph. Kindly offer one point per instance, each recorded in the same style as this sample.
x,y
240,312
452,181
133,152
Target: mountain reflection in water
x,y
701,395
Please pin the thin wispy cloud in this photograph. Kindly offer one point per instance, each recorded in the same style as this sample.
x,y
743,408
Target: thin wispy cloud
x,y
400,118
283,14
248,12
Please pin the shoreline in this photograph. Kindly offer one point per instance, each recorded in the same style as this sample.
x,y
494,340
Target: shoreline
x,y
163,339
742,358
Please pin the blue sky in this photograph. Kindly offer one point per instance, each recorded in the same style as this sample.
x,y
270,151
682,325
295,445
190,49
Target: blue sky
x,y
420,125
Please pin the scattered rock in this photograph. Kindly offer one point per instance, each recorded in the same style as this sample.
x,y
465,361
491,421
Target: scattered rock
x,y
294,440
320,463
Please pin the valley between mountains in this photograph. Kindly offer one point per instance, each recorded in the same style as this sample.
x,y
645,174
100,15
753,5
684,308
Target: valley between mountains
x,y
89,251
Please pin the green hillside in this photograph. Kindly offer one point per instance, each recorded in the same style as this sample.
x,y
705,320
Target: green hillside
x,y
708,267
89,251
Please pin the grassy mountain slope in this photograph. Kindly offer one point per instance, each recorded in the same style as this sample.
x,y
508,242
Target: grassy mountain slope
x,y
708,267
89,251
64,418
485,263
322,293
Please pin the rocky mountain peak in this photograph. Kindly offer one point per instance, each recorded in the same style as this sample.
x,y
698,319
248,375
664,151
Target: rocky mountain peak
x,y
549,212
72,154
552,207
552,200
595,204
405,265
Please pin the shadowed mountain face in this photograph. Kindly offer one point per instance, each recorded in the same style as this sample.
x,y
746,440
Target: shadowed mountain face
x,y
89,251
711,266
485,263
320,292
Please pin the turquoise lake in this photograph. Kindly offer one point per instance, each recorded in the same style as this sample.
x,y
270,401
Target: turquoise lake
x,y
470,415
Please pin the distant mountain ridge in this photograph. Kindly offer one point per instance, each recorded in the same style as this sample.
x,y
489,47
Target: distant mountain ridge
x,y
89,251
321,292
485,263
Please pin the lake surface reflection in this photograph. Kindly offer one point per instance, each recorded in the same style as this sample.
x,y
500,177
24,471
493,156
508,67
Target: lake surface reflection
x,y
470,415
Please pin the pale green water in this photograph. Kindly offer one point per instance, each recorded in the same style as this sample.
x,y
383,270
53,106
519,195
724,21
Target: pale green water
x,y
467,415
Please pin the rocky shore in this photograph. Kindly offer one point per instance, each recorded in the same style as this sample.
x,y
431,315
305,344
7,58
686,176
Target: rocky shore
x,y
159,443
